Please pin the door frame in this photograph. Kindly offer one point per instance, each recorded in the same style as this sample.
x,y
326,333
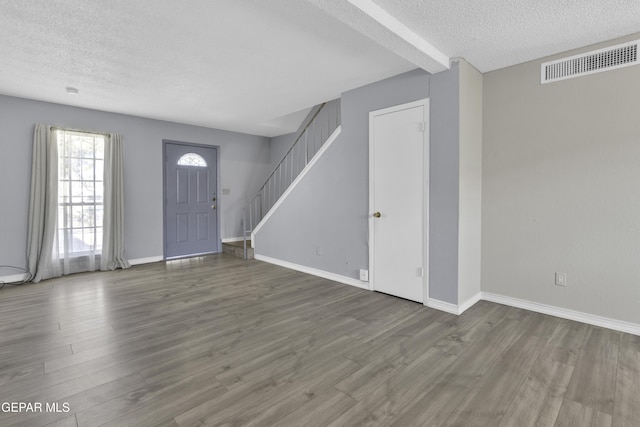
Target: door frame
x,y
164,191
425,197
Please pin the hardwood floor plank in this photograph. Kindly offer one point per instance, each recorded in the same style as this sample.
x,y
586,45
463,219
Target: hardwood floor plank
x,y
566,342
161,411
573,414
385,401
458,380
538,401
594,378
626,409
398,345
299,352
78,401
301,387
495,389
190,388
268,400
319,411
359,384
30,353
219,341
69,421
64,382
18,371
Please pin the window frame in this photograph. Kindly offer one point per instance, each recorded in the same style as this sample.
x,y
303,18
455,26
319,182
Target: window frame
x,y
68,156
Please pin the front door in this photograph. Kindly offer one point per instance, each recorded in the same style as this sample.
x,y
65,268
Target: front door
x,y
398,162
190,200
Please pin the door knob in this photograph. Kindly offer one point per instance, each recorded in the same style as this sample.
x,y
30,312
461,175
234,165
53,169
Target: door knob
x,y
213,206
376,215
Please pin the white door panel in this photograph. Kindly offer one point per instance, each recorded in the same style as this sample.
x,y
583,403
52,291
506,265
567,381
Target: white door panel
x,y
397,150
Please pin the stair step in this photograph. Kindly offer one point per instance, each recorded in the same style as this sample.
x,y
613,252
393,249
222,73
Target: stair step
x,y
236,249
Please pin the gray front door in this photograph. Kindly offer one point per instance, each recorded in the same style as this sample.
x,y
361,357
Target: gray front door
x,y
191,200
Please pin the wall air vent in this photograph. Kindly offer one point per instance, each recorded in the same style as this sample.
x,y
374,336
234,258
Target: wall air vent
x,y
596,61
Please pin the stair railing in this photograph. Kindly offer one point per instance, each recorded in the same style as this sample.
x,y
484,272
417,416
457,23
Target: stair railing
x,y
315,130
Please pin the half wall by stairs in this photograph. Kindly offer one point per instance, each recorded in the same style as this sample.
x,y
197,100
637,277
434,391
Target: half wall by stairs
x,y
321,124
299,230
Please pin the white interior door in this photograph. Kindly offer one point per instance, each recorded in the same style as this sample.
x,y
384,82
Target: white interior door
x,y
398,167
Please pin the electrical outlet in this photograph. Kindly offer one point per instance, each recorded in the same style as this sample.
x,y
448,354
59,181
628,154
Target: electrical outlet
x,y
364,275
561,279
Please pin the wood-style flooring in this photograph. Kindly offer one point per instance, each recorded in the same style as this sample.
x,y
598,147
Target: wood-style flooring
x,y
220,341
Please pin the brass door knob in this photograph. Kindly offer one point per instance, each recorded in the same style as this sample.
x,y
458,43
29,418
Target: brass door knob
x,y
213,206
376,215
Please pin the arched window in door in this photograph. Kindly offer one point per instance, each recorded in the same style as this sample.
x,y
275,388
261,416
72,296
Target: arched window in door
x,y
192,159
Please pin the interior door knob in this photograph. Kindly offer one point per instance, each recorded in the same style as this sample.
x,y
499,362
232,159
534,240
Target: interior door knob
x,y
213,206
376,215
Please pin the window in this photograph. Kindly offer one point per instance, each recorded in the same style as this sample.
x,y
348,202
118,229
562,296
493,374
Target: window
x,y
80,192
192,159
76,203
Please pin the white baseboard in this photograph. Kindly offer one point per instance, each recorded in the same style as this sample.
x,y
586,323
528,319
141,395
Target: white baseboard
x,y
14,278
147,260
314,272
297,180
470,302
591,319
453,308
232,239
447,307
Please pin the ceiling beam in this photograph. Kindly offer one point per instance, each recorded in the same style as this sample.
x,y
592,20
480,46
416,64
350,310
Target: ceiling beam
x,y
368,18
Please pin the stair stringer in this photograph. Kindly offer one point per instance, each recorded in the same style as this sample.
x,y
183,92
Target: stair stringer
x,y
295,183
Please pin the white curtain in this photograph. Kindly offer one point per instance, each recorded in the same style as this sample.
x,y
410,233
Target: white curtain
x,y
113,240
43,205
48,242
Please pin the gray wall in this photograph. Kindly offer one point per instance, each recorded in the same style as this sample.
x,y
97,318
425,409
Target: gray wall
x,y
278,148
244,160
329,208
443,186
561,174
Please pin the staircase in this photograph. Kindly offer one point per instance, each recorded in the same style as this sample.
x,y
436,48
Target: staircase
x,y
315,130
237,249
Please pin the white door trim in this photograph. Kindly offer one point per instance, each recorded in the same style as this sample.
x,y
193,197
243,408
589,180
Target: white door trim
x,y
425,205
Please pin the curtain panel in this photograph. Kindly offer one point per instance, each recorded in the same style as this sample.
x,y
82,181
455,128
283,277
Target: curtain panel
x,y
47,251
43,205
113,240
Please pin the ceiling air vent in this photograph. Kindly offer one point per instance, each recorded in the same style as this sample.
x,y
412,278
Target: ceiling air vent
x,y
596,61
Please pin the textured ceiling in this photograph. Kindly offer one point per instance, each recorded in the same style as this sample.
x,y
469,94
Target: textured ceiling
x,y
255,65
239,65
493,34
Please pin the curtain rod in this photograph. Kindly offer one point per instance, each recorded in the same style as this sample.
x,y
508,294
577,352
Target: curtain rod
x,y
81,130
